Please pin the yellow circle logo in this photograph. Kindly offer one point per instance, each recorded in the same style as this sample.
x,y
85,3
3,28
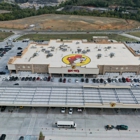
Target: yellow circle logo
x,y
76,59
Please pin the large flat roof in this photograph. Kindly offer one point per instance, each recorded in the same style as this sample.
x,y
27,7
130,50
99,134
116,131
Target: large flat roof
x,y
70,97
122,55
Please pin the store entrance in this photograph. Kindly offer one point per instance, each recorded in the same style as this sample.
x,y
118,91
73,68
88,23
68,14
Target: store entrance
x,y
73,75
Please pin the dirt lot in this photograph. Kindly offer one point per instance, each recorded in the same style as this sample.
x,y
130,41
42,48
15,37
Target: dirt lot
x,y
70,23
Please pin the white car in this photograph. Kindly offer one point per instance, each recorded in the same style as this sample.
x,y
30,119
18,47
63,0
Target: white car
x,y
70,111
76,81
63,110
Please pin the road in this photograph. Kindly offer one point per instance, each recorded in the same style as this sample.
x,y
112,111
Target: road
x,y
130,36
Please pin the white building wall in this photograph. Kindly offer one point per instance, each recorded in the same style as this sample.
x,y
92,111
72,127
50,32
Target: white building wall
x,y
11,67
77,70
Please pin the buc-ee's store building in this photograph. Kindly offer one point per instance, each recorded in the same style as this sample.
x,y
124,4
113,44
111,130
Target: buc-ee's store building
x,y
75,57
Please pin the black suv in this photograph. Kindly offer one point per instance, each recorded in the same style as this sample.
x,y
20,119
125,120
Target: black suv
x,y
87,80
3,108
21,138
3,136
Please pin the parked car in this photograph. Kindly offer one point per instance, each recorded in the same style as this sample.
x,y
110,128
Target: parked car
x,y
63,110
21,138
3,136
38,78
70,111
127,80
122,127
34,78
16,84
23,78
19,48
109,127
30,78
109,80
60,80
94,80
98,80
105,81
2,73
120,80
45,78
49,78
69,80
101,80
116,80
76,81
3,108
87,80
82,80
79,110
64,80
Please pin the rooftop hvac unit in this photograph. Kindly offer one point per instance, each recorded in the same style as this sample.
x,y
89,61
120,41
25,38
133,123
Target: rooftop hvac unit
x,y
84,51
33,47
52,50
88,50
112,54
64,49
53,47
99,49
47,51
99,55
79,50
49,54
35,54
109,47
43,50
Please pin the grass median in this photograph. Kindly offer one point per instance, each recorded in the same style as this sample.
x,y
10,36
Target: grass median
x,y
47,37
4,35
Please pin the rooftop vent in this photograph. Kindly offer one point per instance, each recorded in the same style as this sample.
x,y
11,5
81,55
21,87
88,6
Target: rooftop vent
x,y
79,50
43,50
64,49
109,47
47,51
84,51
49,54
99,49
112,54
52,50
33,47
35,54
88,50
99,55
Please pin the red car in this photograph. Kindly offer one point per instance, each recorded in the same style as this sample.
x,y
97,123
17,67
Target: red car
x,y
37,78
127,80
64,80
49,78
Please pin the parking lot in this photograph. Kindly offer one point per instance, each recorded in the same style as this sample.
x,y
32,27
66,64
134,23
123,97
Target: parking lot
x,y
28,122
13,52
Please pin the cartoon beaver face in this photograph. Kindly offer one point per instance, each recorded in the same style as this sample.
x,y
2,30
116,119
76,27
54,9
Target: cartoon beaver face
x,y
76,59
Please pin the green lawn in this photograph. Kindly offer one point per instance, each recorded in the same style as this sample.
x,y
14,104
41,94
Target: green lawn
x,y
72,36
135,34
4,35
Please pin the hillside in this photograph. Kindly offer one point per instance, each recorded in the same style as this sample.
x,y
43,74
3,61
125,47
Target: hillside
x,y
54,22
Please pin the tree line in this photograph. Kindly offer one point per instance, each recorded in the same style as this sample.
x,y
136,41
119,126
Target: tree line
x,y
18,13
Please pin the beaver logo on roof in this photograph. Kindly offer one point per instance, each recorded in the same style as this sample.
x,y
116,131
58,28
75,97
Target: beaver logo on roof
x,y
76,60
